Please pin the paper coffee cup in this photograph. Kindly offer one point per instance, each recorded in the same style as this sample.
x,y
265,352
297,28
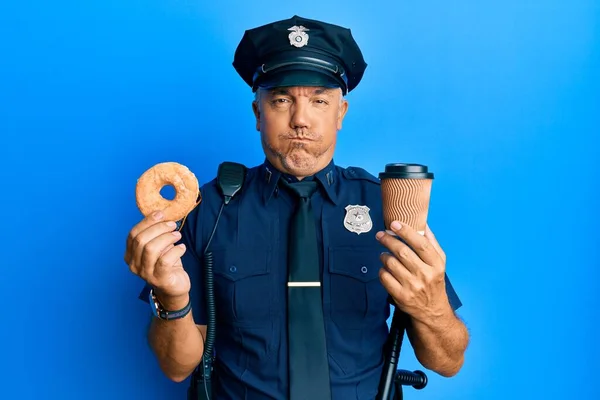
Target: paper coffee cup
x,y
406,190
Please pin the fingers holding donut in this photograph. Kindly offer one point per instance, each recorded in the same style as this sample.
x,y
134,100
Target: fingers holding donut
x,y
151,250
168,268
149,244
161,240
145,223
155,257
162,267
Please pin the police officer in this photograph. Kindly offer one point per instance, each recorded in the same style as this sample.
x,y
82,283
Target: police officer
x,y
301,308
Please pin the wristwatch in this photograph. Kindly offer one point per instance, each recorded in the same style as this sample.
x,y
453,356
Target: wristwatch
x,y
159,312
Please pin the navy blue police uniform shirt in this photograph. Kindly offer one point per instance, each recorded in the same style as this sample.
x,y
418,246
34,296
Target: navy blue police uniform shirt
x,y
249,251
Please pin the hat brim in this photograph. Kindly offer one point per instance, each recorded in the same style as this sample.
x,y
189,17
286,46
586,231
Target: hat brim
x,y
294,76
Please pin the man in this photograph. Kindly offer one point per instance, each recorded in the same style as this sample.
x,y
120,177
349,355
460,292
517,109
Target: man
x,y
308,322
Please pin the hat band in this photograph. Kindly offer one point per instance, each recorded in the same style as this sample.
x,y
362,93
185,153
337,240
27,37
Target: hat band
x,y
313,62
331,68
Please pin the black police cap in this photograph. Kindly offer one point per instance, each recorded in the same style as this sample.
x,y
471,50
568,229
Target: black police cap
x,y
299,52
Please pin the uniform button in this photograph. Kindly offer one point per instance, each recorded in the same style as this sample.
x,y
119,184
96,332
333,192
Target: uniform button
x,y
232,268
364,269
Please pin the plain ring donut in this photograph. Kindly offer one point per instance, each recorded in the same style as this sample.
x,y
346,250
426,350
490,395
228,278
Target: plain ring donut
x,y
185,183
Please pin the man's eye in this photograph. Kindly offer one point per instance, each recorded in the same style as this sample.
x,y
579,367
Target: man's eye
x,y
320,101
280,101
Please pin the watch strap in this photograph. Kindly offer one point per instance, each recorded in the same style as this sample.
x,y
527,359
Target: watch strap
x,y
159,311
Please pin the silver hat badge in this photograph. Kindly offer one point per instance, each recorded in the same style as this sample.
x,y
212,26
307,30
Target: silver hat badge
x,y
298,37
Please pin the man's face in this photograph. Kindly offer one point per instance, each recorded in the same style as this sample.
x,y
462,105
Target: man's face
x,y
299,126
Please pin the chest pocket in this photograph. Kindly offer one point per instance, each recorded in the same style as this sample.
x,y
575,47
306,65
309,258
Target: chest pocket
x,y
243,286
357,296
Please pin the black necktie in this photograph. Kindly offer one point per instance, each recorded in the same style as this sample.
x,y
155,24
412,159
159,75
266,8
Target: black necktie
x,y
308,363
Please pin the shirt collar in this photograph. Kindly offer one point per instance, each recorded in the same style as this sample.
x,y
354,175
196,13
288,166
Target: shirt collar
x,y
327,177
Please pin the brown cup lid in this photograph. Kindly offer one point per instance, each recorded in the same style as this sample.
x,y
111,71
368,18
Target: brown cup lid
x,y
405,171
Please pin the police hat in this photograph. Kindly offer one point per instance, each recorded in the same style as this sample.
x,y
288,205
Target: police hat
x,y
299,52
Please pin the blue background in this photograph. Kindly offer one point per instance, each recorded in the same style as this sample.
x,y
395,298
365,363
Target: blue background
x,y
500,99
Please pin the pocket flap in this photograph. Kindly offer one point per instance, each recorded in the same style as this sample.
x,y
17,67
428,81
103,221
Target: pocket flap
x,y
235,264
361,263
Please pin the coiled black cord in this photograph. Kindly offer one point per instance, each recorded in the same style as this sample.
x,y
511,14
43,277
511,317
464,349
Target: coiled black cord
x,y
206,365
210,304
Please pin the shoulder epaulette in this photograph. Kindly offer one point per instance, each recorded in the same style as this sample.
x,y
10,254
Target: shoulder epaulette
x,y
361,174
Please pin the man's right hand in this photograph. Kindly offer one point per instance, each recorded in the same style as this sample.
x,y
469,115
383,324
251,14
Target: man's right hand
x,y
152,255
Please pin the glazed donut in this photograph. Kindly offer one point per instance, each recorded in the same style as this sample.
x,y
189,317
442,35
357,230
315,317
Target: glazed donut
x,y
149,185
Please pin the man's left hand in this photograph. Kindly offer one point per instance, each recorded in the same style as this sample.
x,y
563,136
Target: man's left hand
x,y
413,272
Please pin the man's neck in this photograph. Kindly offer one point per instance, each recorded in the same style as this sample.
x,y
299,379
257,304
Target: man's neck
x,y
299,177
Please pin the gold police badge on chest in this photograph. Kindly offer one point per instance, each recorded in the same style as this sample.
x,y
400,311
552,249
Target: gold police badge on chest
x,y
357,219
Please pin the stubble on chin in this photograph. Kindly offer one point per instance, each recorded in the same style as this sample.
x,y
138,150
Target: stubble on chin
x,y
298,160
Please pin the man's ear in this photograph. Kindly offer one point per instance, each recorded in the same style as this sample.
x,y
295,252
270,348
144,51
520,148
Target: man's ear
x,y
342,113
256,111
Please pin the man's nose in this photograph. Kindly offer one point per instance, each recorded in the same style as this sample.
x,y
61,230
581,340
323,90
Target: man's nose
x,y
300,115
